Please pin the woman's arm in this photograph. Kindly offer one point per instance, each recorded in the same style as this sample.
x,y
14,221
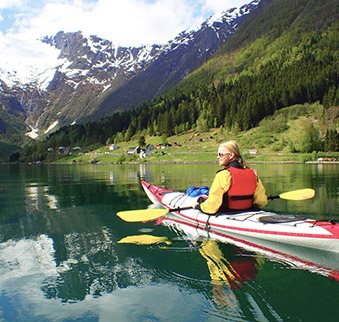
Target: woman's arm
x,y
220,185
260,198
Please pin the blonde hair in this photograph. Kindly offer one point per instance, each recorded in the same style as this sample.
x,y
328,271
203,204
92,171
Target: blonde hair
x,y
233,146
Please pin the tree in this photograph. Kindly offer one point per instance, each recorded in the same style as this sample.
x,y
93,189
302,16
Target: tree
x,y
109,141
164,139
142,141
129,133
221,134
331,140
14,157
202,122
310,138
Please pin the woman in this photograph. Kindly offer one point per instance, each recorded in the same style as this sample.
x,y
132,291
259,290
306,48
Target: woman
x,y
236,187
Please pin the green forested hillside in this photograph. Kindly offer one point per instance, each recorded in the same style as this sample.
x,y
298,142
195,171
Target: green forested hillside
x,y
12,127
290,134
285,54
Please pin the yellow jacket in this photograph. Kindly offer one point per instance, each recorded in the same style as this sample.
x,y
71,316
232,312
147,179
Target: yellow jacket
x,y
220,185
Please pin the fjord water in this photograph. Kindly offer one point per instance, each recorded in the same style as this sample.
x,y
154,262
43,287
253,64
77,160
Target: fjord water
x,y
60,259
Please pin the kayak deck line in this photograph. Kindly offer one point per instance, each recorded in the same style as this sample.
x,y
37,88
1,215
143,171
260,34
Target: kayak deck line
x,y
289,229
269,232
309,224
259,231
216,232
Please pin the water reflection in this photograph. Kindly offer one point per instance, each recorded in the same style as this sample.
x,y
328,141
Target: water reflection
x,y
77,185
229,272
227,276
238,268
60,258
88,273
37,195
29,274
222,271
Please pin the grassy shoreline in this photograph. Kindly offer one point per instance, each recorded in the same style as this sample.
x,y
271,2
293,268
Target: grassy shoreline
x,y
170,157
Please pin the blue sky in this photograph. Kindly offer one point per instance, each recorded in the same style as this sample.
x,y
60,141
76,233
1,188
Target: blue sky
x,y
124,22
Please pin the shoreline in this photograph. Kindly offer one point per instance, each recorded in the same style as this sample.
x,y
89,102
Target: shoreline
x,y
170,162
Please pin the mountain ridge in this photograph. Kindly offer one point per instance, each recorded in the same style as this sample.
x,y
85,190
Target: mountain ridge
x,y
93,78
290,66
276,64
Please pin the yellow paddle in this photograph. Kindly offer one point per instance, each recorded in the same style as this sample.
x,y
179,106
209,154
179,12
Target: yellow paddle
x,y
146,214
151,214
301,194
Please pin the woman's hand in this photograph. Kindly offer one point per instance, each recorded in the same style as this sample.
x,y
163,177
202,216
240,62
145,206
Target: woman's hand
x,y
195,206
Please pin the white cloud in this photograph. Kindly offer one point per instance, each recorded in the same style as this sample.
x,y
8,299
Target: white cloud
x,y
127,22
217,5
5,4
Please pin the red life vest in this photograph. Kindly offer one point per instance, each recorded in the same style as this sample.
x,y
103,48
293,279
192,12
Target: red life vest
x,y
243,186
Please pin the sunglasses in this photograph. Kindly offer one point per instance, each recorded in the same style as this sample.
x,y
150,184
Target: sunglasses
x,y
220,155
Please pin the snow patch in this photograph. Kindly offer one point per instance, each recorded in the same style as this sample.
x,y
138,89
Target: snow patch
x,y
27,63
33,133
52,126
106,88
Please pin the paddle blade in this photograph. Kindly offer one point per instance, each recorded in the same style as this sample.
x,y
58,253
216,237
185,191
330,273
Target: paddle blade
x,y
141,215
301,194
144,240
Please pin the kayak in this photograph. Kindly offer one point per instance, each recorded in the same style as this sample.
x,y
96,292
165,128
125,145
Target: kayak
x,y
258,224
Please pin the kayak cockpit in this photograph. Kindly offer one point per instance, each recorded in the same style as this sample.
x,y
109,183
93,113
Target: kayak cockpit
x,y
279,219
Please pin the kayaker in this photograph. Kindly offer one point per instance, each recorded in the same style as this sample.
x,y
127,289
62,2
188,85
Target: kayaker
x,y
236,187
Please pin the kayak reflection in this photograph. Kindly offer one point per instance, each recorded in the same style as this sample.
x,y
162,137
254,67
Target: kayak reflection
x,y
316,261
225,273
222,272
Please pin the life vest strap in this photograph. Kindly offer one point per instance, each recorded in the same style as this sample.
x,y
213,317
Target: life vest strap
x,y
242,197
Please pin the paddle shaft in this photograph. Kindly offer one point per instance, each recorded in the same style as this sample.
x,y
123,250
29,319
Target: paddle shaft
x,y
151,214
179,208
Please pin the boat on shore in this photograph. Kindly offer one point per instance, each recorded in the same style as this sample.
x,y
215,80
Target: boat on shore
x,y
258,224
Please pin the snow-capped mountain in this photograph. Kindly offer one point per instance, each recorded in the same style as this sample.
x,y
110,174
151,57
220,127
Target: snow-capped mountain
x,y
86,77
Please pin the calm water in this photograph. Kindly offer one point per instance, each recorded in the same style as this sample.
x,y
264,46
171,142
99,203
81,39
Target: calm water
x,y
60,260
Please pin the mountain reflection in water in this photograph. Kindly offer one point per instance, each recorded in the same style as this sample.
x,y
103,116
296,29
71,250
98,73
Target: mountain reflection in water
x,y
61,260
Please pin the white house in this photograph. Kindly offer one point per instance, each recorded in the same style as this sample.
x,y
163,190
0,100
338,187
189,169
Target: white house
x,y
113,147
